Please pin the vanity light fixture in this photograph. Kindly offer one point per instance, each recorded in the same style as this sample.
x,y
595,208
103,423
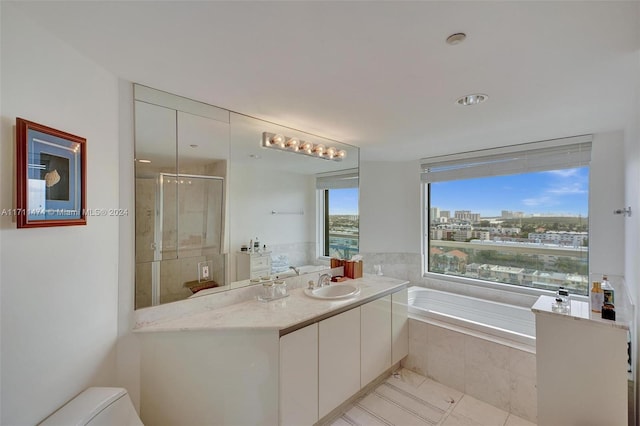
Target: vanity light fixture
x,y
283,143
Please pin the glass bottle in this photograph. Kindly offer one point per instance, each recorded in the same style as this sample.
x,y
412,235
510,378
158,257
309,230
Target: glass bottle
x,y
607,290
597,297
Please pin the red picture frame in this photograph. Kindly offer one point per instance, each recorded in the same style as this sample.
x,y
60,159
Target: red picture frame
x,y
50,176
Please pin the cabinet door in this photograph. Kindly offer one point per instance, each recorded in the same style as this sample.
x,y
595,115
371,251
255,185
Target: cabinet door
x,y
339,360
299,377
399,325
375,341
243,266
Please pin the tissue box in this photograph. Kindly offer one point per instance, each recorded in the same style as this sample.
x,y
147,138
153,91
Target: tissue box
x,y
336,263
353,269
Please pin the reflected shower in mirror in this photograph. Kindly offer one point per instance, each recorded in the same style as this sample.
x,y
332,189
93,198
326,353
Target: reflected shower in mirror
x,y
181,168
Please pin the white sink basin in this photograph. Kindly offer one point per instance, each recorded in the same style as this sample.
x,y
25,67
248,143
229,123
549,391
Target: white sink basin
x,y
333,291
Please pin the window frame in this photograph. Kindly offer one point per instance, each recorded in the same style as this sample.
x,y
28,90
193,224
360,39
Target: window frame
x,y
513,150
324,182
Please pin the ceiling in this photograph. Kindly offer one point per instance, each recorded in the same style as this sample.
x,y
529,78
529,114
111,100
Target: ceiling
x,y
377,75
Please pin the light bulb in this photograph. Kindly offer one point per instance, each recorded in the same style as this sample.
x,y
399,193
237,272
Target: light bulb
x,y
319,150
293,144
277,140
306,147
341,153
331,152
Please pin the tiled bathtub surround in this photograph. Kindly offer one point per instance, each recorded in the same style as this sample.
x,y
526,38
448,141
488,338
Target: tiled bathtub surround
x,y
500,375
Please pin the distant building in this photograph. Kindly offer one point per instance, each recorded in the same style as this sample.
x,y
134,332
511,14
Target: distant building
x,y
434,213
563,238
466,215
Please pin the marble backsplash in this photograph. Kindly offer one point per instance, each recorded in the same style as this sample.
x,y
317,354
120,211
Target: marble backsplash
x,y
408,266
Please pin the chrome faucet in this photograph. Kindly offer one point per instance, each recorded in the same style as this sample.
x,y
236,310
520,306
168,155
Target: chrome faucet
x,y
296,270
323,280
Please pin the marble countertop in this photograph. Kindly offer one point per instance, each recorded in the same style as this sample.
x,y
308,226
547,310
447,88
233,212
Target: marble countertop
x,y
579,311
284,315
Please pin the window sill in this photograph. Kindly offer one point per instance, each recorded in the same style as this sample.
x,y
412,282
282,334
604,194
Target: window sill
x,y
520,290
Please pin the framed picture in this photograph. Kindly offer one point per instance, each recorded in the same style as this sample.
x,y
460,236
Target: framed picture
x,y
51,171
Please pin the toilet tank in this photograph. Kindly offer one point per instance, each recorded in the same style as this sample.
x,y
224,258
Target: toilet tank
x,y
97,406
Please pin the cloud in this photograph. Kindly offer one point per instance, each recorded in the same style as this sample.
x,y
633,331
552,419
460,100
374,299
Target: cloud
x,y
573,188
565,173
538,201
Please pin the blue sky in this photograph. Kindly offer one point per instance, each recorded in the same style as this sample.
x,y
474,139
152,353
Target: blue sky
x,y
343,201
558,191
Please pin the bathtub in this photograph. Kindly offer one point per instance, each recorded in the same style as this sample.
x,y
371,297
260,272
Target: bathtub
x,y
507,324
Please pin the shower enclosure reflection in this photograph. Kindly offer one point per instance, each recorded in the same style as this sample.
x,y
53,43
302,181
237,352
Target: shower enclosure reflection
x,y
182,152
182,226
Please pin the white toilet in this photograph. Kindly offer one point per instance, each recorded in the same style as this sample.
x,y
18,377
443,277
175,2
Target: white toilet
x,y
96,407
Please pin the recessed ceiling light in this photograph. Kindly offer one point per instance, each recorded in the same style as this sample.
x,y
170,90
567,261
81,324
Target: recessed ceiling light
x,y
456,38
476,98
144,161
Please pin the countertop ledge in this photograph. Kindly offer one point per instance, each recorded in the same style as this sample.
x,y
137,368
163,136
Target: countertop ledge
x,y
580,311
283,315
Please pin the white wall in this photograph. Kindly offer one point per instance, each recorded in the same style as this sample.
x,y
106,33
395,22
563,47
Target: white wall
x,y
606,193
256,192
128,348
632,199
390,207
59,294
2,191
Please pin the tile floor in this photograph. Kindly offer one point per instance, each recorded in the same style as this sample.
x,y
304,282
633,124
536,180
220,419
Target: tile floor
x,y
407,398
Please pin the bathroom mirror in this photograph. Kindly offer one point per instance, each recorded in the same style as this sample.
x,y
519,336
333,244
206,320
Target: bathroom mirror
x,y
206,186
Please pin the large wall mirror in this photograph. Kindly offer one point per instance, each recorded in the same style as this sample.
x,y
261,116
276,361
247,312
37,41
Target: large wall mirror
x,y
207,187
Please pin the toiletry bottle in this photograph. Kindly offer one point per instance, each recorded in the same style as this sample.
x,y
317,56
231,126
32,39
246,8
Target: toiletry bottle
x,y
597,297
563,294
607,290
256,245
251,246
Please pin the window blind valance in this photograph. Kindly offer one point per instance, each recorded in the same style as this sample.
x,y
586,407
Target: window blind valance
x,y
338,180
565,153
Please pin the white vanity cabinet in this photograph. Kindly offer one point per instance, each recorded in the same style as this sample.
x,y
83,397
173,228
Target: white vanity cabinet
x,y
324,364
581,366
288,362
399,325
338,360
252,265
299,377
375,323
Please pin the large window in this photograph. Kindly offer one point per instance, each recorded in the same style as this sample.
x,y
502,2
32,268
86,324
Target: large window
x,y
516,215
338,225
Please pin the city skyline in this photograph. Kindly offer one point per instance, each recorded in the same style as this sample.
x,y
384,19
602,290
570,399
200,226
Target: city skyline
x,y
558,192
